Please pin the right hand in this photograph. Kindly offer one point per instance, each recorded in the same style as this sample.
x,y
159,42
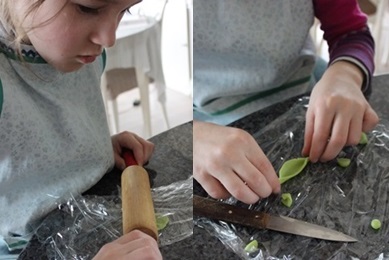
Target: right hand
x,y
228,161
134,245
141,148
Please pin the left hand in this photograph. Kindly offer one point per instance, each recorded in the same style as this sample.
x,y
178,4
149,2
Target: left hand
x,y
141,148
337,114
134,245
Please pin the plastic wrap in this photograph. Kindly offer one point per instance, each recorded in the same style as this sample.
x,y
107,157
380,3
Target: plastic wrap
x,y
80,227
343,199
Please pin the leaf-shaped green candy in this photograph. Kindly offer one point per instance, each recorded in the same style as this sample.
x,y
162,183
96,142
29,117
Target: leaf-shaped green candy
x,y
363,139
161,221
286,199
291,168
343,162
252,246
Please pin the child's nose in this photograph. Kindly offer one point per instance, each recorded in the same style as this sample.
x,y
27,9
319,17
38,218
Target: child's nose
x,y
105,34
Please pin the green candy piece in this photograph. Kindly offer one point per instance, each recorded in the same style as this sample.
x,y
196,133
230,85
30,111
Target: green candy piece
x,y
343,162
363,139
161,221
291,168
375,224
286,199
252,246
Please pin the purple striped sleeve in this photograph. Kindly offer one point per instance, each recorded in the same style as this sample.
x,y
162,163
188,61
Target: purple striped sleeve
x,y
347,34
358,45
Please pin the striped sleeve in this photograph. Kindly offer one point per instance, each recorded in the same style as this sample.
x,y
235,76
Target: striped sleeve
x,y
347,34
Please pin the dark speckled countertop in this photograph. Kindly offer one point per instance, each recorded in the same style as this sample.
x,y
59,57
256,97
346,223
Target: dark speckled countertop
x,y
209,247
172,161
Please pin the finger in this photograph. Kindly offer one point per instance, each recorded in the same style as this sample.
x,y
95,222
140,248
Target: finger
x,y
309,126
133,142
146,150
137,242
238,188
127,244
355,131
255,180
370,120
119,162
213,187
321,134
146,252
149,148
133,236
130,236
260,172
338,139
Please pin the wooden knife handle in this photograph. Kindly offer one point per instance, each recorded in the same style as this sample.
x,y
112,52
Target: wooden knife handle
x,y
137,203
221,211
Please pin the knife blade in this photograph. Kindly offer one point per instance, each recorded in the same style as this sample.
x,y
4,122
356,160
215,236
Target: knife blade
x,y
221,211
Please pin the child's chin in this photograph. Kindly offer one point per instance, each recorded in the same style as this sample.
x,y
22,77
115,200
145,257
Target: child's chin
x,y
67,68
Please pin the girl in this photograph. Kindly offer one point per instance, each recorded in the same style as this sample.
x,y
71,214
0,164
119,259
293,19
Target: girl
x,y
251,54
53,130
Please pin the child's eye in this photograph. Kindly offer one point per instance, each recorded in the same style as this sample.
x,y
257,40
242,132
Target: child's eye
x,y
88,10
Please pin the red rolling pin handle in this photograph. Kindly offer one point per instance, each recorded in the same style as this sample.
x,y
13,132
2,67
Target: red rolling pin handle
x,y
129,157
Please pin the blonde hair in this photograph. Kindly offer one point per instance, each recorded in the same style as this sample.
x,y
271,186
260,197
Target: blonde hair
x,y
5,18
15,33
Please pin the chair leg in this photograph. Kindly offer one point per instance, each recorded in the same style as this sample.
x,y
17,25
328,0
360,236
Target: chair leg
x,y
165,115
143,84
115,115
108,115
377,29
385,28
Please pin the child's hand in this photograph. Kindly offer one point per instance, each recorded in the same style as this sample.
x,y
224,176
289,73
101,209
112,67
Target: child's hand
x,y
337,113
228,161
134,245
141,148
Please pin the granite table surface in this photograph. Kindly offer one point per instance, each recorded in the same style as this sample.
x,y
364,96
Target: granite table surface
x,y
171,162
209,247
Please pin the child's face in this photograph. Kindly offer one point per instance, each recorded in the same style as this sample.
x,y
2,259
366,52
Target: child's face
x,y
69,34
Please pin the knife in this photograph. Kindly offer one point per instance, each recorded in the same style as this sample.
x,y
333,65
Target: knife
x,y
221,211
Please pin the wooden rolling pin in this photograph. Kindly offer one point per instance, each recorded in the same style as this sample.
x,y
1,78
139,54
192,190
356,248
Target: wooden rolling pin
x,y
137,204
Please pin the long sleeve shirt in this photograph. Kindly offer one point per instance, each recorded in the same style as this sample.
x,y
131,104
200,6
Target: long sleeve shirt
x,y
251,54
347,34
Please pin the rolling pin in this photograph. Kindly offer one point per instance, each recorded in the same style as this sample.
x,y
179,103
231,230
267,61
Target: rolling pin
x,y
137,204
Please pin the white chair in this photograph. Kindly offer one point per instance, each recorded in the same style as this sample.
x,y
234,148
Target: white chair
x,y
119,80
379,26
